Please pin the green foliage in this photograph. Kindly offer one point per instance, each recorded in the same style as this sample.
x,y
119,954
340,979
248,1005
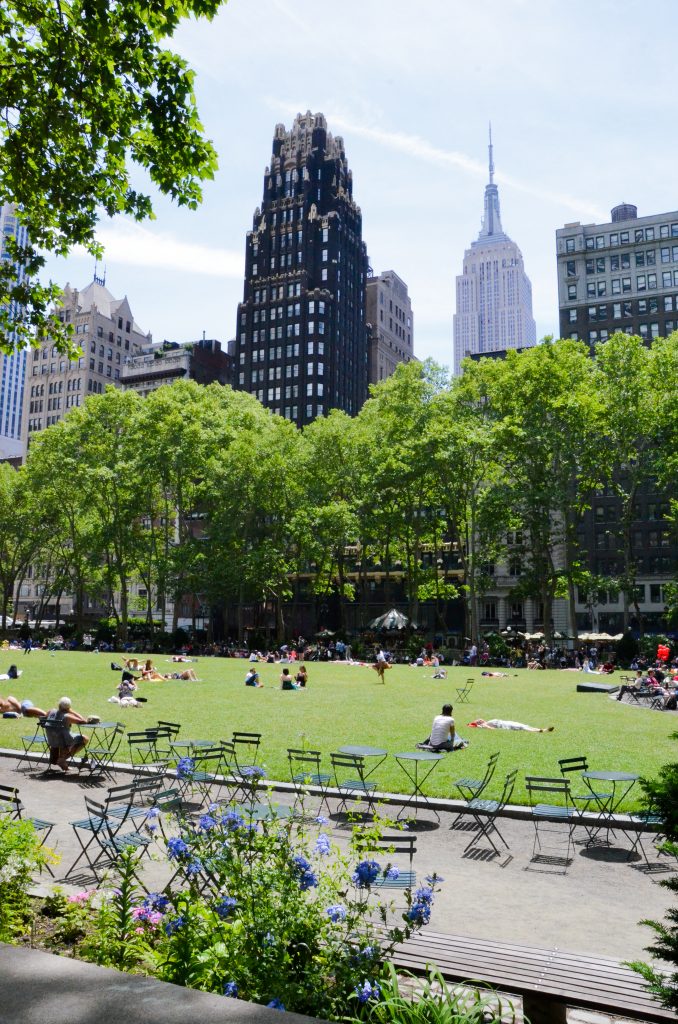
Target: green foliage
x,y
662,800
70,915
88,92
21,855
116,939
407,999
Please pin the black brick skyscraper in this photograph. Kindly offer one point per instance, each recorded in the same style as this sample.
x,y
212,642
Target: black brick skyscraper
x,y
301,340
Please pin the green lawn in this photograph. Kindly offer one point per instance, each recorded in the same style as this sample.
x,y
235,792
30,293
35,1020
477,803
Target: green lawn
x,y
345,704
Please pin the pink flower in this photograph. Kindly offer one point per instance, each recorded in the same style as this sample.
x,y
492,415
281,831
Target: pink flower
x,y
81,897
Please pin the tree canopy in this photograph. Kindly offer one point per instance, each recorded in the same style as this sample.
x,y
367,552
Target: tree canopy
x,y
88,93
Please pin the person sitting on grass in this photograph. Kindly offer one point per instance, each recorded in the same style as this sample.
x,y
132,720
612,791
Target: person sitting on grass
x,y
443,736
502,723
301,677
62,743
10,706
286,681
252,678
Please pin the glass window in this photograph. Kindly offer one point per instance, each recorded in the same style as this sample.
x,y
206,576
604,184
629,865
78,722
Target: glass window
x,y
569,244
590,266
614,263
664,231
571,291
665,254
649,234
572,314
600,241
651,280
602,288
571,268
640,259
614,239
668,303
624,237
600,264
616,286
591,289
616,310
590,243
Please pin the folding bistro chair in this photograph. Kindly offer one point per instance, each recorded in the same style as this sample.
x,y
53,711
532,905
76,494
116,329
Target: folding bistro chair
x,y
470,789
212,766
353,784
10,804
464,691
107,836
554,821
35,744
393,877
305,772
246,746
485,813
121,801
143,744
100,758
588,797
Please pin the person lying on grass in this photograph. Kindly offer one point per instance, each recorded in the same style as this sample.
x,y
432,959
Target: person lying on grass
x,y
20,707
502,723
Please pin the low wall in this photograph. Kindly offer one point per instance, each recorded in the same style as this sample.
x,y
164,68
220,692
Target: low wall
x,y
41,988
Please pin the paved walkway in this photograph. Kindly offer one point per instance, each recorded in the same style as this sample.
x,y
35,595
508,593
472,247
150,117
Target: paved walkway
x,y
593,908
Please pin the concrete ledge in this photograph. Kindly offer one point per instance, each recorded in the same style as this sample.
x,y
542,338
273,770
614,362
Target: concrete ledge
x,y
41,988
516,811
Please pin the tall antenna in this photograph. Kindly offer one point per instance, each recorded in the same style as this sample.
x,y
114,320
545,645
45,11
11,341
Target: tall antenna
x,y
491,157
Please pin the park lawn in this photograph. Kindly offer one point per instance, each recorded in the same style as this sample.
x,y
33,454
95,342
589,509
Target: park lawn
x,y
346,704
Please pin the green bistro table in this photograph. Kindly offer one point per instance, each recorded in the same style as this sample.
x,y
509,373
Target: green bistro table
x,y
358,751
410,763
621,785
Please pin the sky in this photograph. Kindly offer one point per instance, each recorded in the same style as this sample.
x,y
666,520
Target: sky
x,y
581,97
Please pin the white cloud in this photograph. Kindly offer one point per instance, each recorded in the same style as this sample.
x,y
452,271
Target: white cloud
x,y
131,244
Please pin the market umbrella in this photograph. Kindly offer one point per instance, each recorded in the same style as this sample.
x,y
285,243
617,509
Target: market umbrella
x,y
391,621
324,634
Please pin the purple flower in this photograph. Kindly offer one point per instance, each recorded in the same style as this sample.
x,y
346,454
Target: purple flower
x,y
366,873
322,820
193,868
322,844
275,1004
253,771
337,912
392,874
367,991
176,848
231,989
207,823
225,906
434,878
420,911
152,812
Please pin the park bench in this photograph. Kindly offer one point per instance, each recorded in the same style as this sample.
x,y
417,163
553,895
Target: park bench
x,y
548,980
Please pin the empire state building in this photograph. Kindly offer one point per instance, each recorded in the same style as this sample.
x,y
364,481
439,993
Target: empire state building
x,y
494,294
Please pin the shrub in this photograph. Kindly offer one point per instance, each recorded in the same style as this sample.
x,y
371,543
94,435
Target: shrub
x,y
20,856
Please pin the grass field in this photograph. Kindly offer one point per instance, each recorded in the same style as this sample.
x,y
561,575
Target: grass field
x,y
345,704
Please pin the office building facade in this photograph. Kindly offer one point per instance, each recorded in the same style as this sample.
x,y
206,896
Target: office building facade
x,y
493,292
12,367
203,361
107,333
618,276
301,336
391,324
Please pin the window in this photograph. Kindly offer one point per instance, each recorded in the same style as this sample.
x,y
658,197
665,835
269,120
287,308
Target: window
x,y
570,268
600,241
614,239
590,289
590,243
571,294
623,237
667,279
602,288
323,274
590,266
614,263
641,282
651,280
593,314
572,316
490,611
324,255
626,284
600,264
569,245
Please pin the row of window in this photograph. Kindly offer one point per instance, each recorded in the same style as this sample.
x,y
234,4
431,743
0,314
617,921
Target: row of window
x,y
63,366
645,330
276,372
286,261
648,234
277,292
291,351
624,285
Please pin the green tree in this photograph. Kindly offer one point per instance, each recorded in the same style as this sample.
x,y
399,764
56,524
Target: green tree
x,y
88,92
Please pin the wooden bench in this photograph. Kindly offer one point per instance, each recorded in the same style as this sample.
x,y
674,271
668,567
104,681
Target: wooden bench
x,y
548,980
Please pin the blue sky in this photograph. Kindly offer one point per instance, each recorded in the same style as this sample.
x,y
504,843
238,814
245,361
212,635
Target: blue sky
x,y
582,102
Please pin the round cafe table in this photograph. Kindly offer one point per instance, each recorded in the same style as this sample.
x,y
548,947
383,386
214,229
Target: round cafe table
x,y
621,784
418,765
360,751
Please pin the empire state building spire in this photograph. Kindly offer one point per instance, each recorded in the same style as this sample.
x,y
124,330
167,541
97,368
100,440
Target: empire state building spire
x,y
492,216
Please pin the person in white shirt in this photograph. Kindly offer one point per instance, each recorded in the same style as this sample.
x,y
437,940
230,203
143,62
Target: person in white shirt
x,y
443,735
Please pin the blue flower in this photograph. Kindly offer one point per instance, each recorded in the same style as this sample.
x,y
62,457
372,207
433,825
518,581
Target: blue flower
x,y
322,844
225,906
232,821
193,868
432,879
253,771
185,768
322,820
174,925
337,912
275,1004
424,894
152,812
419,913
366,873
176,848
231,989
392,874
305,874
207,823
156,901
367,991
